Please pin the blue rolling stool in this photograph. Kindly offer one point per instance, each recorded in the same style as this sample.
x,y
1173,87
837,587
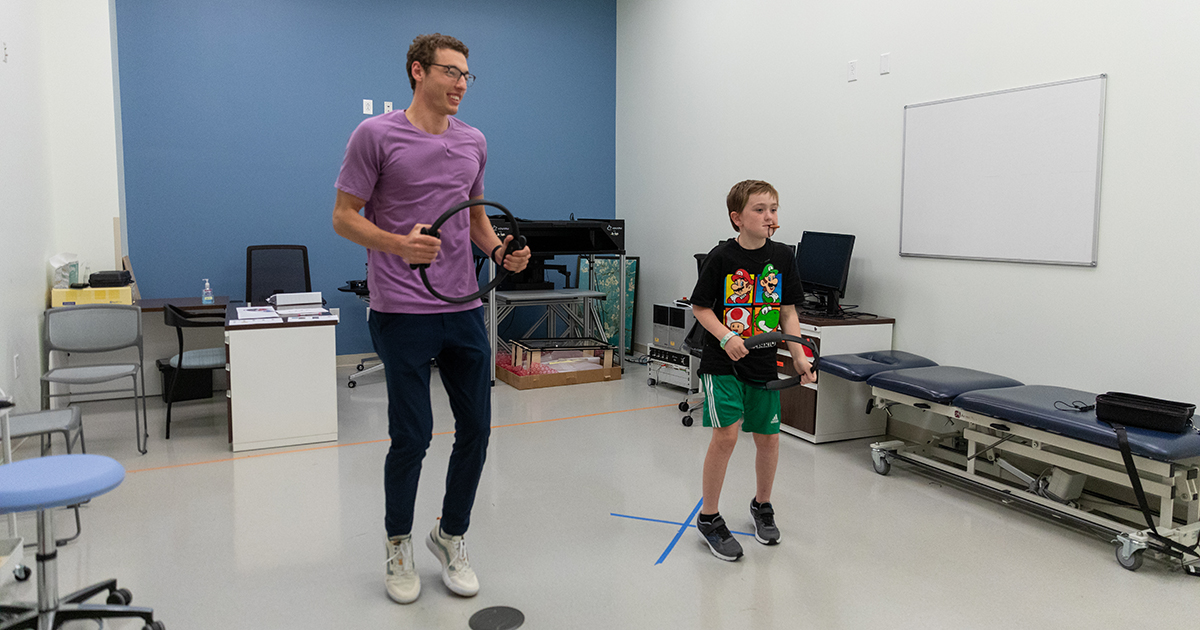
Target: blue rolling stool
x,y
42,484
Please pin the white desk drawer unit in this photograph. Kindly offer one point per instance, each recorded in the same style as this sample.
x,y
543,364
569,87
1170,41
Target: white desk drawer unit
x,y
282,384
832,408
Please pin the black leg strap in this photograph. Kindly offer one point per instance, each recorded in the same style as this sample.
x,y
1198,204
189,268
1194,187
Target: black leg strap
x,y
1136,481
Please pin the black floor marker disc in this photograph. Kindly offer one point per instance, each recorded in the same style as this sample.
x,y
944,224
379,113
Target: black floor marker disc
x,y
497,618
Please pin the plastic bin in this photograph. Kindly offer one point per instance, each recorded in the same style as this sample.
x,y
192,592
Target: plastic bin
x,y
193,384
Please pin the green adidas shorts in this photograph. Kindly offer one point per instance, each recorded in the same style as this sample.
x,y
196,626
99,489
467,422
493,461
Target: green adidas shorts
x,y
727,399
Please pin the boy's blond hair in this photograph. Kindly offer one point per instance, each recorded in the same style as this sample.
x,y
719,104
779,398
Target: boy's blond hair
x,y
740,194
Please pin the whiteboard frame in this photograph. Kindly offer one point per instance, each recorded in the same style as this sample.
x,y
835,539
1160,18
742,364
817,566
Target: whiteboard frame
x,y
1103,78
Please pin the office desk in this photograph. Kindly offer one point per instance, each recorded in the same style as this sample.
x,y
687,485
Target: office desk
x,y
832,408
282,383
155,305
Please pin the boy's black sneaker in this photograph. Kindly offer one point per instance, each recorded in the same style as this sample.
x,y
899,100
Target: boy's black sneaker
x,y
719,540
765,531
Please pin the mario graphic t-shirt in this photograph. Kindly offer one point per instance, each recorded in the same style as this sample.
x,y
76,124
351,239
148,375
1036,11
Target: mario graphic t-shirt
x,y
745,289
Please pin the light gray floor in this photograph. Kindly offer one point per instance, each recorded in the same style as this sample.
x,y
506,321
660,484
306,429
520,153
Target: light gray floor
x,y
293,538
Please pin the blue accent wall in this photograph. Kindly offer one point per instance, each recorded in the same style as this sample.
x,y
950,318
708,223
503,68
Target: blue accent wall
x,y
235,118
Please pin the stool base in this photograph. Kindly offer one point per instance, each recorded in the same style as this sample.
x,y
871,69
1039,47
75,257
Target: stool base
x,y
51,611
71,607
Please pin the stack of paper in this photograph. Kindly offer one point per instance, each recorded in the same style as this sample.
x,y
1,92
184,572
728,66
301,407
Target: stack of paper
x,y
272,315
300,311
256,315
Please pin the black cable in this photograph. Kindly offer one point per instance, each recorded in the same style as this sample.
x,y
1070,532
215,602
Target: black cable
x,y
1077,405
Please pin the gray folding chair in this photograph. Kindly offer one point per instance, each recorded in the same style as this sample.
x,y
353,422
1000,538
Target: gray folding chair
x,y
98,328
44,424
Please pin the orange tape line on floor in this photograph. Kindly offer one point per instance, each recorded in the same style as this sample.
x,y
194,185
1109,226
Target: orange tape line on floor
x,y
328,446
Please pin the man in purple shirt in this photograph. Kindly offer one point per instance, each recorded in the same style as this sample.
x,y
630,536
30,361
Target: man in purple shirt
x,y
403,170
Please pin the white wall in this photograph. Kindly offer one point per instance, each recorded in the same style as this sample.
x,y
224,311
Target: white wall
x,y
57,165
26,228
710,93
82,131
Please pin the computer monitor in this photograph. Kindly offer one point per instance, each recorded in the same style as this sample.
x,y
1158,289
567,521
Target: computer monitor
x,y
823,263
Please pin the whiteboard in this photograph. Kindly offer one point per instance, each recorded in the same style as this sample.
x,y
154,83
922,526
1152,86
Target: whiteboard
x,y
1011,175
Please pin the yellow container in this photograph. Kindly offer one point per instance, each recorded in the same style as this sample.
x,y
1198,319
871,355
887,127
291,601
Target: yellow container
x,y
91,295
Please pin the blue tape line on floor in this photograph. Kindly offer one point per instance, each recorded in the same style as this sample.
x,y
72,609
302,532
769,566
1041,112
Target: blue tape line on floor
x,y
679,533
659,520
682,527
652,520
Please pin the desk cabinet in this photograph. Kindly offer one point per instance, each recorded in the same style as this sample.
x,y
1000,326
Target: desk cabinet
x,y
282,384
833,408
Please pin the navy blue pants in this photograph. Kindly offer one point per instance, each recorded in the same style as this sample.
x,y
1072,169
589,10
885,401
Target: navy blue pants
x,y
406,344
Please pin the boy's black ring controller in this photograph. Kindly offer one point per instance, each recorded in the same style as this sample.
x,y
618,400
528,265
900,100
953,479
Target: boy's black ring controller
x,y
764,339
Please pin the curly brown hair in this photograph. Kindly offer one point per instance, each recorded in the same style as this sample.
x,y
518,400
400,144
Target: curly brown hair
x,y
424,48
740,194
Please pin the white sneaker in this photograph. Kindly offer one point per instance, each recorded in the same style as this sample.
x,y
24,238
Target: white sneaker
x,y
451,551
403,583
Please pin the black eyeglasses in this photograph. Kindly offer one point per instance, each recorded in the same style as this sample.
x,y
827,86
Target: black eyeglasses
x,y
455,73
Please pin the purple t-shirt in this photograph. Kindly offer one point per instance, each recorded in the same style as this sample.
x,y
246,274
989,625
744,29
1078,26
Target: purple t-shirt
x,y
409,176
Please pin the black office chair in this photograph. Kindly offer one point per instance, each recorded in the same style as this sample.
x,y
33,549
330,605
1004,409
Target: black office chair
x,y
359,288
693,344
191,360
272,269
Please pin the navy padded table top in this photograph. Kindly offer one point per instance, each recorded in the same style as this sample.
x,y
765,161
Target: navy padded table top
x,y
938,383
56,481
863,365
1033,406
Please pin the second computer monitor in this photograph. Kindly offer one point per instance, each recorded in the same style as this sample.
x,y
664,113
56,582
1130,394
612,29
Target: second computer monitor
x,y
823,262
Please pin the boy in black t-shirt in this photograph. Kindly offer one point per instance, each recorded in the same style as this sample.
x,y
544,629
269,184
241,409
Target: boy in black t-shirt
x,y
748,285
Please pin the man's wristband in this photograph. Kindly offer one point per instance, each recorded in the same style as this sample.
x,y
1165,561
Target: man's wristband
x,y
726,338
493,254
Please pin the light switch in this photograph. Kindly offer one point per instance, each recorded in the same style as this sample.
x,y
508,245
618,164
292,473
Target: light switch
x,y
387,106
368,106
885,63
852,70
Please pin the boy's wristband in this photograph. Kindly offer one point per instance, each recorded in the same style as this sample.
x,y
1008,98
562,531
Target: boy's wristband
x,y
726,338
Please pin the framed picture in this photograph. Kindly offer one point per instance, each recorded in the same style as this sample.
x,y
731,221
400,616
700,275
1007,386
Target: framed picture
x,y
608,282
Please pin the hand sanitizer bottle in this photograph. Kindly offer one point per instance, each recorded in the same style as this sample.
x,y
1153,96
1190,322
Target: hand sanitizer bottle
x,y
207,297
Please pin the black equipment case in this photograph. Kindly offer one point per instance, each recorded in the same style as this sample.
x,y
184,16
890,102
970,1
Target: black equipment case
x,y
1144,412
110,279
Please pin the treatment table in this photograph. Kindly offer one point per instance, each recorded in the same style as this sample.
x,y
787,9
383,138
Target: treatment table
x,y
1038,445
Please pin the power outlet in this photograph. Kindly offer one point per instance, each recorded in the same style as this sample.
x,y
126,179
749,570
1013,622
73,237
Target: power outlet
x,y
368,106
852,70
16,366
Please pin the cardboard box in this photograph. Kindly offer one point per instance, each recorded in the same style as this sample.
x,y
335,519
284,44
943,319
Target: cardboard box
x,y
91,295
526,354
534,381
